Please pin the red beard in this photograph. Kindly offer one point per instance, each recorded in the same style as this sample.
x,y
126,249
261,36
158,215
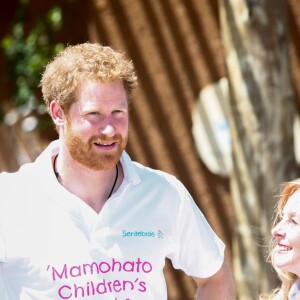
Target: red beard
x,y
84,153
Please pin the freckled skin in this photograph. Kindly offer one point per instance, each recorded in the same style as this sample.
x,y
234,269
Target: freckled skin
x,y
100,115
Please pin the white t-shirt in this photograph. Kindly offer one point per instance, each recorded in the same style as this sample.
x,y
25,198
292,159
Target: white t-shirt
x,y
294,293
54,246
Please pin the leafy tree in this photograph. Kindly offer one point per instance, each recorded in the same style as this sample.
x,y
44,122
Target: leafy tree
x,y
27,53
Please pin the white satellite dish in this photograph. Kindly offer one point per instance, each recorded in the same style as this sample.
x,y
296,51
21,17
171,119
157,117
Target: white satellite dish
x,y
210,128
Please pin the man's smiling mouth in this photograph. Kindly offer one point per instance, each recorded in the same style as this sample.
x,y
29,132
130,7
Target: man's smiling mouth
x,y
104,144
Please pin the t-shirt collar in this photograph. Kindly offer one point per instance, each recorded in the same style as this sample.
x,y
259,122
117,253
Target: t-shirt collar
x,y
130,174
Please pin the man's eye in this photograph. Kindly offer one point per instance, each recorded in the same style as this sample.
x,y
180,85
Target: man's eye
x,y
93,113
118,112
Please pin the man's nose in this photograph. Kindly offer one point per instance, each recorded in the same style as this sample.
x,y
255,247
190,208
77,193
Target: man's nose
x,y
107,128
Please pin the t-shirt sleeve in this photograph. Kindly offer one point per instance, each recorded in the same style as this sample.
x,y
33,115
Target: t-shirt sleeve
x,y
2,247
2,252
2,286
5,187
199,251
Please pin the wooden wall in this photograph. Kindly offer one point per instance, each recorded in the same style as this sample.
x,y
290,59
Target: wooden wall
x,y
176,48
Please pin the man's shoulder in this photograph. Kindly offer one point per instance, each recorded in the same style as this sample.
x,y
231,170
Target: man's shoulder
x,y
22,171
157,177
16,181
147,171
150,177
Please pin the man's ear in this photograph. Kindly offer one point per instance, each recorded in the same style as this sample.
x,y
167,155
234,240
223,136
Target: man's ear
x,y
57,113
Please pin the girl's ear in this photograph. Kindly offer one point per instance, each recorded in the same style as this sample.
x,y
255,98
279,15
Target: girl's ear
x,y
57,113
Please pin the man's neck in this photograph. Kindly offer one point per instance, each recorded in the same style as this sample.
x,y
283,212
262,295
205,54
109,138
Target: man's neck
x,y
93,187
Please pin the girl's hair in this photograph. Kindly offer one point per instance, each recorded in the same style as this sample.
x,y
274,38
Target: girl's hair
x,y
287,279
87,61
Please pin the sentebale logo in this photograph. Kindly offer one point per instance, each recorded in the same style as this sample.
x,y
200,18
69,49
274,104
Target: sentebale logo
x,y
138,233
142,234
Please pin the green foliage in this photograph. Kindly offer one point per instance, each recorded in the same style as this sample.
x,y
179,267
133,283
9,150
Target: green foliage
x,y
28,53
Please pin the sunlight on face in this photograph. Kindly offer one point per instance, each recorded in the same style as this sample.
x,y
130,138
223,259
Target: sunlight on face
x,y
96,130
287,234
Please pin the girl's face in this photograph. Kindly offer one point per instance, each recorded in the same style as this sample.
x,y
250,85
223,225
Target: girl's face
x,y
287,234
